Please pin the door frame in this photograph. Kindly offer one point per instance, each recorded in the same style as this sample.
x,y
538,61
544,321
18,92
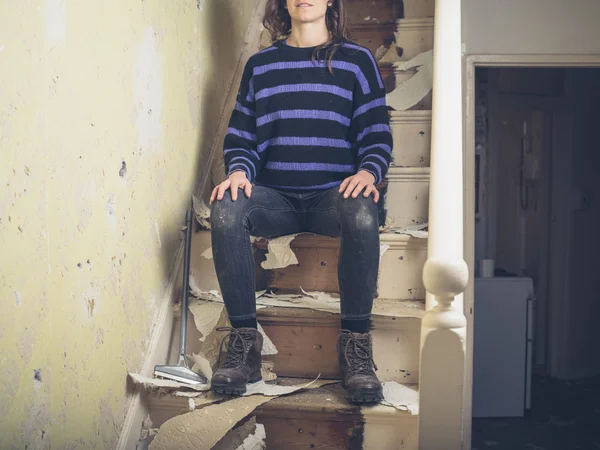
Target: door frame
x,y
556,327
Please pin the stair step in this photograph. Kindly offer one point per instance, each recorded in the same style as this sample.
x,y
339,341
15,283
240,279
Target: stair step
x,y
322,418
415,36
418,8
411,131
314,418
306,342
399,271
407,197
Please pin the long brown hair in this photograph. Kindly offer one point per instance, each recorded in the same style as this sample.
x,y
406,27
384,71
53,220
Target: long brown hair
x,y
278,22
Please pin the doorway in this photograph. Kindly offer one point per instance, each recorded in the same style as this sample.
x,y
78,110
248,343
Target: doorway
x,y
536,215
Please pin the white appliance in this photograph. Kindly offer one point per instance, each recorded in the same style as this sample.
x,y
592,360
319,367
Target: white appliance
x,y
502,348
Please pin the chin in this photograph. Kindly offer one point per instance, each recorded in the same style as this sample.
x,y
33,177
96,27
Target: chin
x,y
308,18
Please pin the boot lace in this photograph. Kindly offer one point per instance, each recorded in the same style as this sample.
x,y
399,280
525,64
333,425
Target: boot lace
x,y
358,354
237,350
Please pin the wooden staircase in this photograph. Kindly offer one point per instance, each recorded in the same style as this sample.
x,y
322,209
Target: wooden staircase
x,y
305,338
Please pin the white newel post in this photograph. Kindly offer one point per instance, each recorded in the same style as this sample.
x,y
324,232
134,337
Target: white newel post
x,y
443,332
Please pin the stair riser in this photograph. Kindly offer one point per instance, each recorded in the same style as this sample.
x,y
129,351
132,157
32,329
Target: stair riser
x,y
307,348
415,36
346,429
407,198
399,271
306,344
412,138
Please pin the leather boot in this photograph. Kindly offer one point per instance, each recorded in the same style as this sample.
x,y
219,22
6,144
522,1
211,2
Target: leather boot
x,y
242,363
355,355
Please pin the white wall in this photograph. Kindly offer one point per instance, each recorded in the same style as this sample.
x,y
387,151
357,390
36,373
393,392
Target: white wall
x,y
531,26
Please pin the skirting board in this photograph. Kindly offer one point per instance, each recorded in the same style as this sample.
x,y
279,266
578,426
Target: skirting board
x,y
158,351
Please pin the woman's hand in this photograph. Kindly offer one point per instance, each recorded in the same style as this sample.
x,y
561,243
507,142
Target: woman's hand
x,y
236,180
355,184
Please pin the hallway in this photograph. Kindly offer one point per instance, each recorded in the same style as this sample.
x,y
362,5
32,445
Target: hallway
x,y
564,416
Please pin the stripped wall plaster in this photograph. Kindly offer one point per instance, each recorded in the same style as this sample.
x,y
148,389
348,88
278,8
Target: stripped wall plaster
x,y
92,266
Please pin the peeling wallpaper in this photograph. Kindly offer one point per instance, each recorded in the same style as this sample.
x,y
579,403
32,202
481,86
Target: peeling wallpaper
x,y
107,114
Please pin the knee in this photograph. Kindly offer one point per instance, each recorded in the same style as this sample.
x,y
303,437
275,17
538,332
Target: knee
x,y
359,214
227,214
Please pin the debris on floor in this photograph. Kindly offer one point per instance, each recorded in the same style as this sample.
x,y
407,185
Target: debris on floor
x,y
203,428
382,249
201,364
206,316
207,253
255,441
241,434
166,385
268,346
280,254
417,231
201,212
401,397
318,301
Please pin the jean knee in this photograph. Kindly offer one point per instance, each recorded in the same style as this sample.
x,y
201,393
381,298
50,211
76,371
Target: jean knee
x,y
359,214
227,214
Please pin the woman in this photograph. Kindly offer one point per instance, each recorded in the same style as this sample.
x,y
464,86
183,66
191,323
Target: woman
x,y
311,130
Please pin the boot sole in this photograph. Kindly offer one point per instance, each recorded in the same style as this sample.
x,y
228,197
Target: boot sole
x,y
363,399
234,390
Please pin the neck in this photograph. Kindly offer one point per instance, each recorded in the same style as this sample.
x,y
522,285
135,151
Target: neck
x,y
308,34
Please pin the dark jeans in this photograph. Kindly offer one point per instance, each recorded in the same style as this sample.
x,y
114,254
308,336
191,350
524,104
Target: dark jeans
x,y
270,213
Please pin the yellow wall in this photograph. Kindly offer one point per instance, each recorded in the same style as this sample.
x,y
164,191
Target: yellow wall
x,y
85,253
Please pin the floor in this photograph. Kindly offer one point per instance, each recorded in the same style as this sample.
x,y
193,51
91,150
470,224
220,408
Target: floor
x,y
563,416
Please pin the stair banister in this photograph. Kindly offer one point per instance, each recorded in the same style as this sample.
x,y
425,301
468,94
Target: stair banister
x,y
445,274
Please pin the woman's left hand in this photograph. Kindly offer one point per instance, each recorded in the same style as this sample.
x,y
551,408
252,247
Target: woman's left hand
x,y
355,184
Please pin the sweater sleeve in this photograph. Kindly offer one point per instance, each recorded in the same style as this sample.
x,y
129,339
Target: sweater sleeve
x,y
239,146
370,125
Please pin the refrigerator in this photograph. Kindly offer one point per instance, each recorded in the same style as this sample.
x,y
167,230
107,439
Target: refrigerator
x,y
502,347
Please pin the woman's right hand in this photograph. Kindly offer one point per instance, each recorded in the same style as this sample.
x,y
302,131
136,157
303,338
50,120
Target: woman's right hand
x,y
235,181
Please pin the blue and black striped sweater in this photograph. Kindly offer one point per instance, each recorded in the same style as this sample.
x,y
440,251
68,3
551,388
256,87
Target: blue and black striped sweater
x,y
297,127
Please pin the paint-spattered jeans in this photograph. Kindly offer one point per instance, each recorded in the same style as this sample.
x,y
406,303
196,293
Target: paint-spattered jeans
x,y
270,213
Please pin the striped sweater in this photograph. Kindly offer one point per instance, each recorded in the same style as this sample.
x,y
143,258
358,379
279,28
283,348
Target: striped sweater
x,y
297,127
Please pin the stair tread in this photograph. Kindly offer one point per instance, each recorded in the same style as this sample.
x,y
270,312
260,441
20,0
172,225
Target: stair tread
x,y
328,398
306,239
381,307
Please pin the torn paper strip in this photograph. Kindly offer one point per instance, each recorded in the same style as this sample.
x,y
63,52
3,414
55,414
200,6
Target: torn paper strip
x,y
274,390
268,346
391,55
255,441
201,212
401,397
201,365
206,316
417,231
382,249
236,437
203,428
413,90
267,370
158,383
280,254
207,253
